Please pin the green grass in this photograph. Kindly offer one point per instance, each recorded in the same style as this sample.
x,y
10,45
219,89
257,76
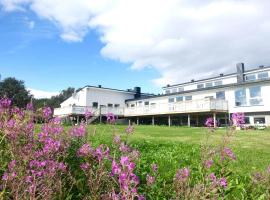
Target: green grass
x,y
174,147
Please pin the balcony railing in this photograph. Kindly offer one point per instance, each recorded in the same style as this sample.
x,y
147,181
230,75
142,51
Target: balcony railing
x,y
204,105
80,110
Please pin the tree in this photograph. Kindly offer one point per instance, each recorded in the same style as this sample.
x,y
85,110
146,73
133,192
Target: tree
x,y
16,91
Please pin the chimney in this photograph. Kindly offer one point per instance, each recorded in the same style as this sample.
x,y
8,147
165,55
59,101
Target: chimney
x,y
192,80
261,66
99,86
221,74
240,69
137,91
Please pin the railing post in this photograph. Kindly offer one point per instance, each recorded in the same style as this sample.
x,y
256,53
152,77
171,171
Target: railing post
x,y
169,120
214,118
188,120
153,120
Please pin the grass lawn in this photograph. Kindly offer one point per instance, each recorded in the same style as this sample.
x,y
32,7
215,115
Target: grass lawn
x,y
173,147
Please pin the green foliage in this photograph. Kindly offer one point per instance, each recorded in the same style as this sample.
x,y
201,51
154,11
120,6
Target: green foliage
x,y
15,90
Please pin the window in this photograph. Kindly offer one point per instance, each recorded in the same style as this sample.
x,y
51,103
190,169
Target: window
x,y
116,105
132,105
171,100
146,103
95,104
180,98
153,105
181,89
174,90
251,77
240,97
109,105
220,95
217,83
255,95
167,92
199,86
247,120
188,98
263,75
259,120
210,84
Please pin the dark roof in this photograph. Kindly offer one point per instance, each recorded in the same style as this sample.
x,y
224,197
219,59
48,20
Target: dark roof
x,y
205,79
205,89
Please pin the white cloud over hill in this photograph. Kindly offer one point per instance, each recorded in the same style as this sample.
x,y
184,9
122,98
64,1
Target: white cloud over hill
x,y
40,94
182,39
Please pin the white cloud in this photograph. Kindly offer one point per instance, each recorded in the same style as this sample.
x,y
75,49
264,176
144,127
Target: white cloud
x,y
182,39
39,94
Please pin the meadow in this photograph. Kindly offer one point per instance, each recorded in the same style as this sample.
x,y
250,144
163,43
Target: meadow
x,y
108,161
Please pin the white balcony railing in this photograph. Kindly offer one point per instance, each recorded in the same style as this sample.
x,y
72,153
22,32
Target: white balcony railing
x,y
80,110
204,105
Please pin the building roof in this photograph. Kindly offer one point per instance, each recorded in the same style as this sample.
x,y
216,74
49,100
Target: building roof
x,y
215,77
205,89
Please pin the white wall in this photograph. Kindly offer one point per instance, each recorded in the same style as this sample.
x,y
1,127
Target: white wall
x,y
79,99
104,97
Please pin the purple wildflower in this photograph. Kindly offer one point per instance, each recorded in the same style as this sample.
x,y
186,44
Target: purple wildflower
x,y
5,103
182,174
84,166
154,167
129,130
223,182
111,118
88,114
209,122
150,180
238,119
84,150
229,153
47,112
208,163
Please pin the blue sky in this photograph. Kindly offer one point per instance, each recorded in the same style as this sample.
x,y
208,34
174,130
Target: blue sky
x,y
37,55
53,44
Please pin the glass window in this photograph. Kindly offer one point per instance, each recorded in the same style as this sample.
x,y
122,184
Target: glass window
x,y
146,103
188,98
259,120
167,92
247,121
109,105
220,95
174,90
217,83
251,77
181,89
210,84
263,75
240,97
153,105
255,95
171,100
199,86
180,98
116,105
95,104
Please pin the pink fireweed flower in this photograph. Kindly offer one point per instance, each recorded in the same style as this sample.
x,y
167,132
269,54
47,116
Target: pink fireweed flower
x,y
11,165
47,112
117,139
154,167
111,118
150,180
238,119
182,174
209,122
85,150
208,163
78,131
124,160
213,178
88,114
101,152
5,176
30,106
229,153
5,103
115,168
124,148
84,166
223,182
129,130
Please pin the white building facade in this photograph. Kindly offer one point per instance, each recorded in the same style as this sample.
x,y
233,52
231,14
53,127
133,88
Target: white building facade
x,y
188,103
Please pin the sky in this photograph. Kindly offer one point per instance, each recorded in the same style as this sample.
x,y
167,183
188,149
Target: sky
x,y
54,44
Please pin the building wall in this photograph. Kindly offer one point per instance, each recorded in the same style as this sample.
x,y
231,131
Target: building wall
x,y
105,97
78,99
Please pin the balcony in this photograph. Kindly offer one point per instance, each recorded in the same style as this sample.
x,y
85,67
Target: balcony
x,y
80,110
194,106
